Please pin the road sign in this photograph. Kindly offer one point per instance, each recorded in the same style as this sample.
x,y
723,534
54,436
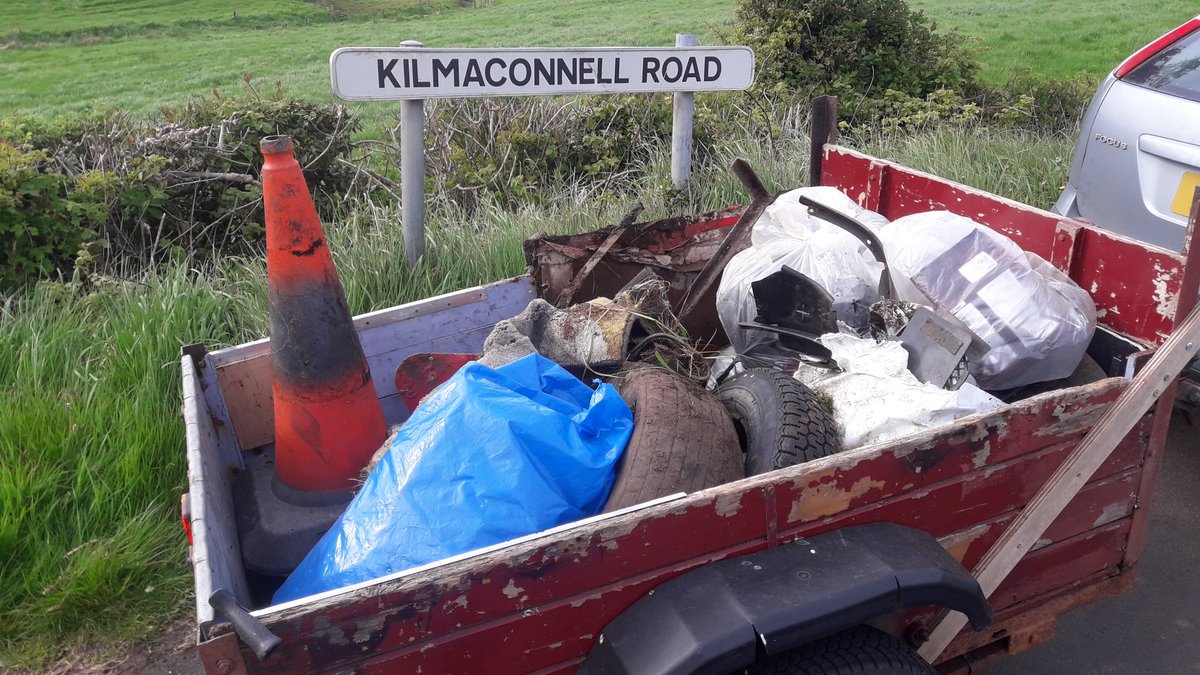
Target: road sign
x,y
390,73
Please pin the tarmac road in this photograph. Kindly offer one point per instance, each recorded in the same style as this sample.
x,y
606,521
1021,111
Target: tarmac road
x,y
1155,627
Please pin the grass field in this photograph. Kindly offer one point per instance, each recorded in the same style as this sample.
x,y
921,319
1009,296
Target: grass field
x,y
1056,38
168,60
90,442
64,55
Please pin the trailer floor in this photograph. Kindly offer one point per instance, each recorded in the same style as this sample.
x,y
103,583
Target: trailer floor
x,y
1154,628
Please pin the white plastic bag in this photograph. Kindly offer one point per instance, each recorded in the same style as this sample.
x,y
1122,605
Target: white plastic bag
x,y
876,398
787,235
1037,322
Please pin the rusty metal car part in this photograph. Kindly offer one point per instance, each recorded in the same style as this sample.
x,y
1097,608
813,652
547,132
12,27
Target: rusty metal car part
x,y
567,296
734,241
861,233
937,350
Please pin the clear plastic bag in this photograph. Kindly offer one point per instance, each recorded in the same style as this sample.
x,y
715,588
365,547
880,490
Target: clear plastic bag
x,y
1037,321
491,455
786,234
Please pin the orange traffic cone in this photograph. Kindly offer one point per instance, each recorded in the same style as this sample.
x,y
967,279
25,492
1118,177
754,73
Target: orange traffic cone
x,y
328,422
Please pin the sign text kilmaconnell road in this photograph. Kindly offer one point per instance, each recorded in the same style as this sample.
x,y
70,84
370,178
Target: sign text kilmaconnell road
x,y
367,73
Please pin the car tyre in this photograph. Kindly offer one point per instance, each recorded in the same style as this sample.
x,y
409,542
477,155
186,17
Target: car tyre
x,y
859,650
779,421
683,440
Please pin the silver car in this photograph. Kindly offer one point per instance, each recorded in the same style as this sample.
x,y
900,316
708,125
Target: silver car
x,y
1137,162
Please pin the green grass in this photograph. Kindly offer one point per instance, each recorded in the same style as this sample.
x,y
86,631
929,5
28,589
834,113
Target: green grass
x,y
90,461
64,55
165,64
1056,38
33,24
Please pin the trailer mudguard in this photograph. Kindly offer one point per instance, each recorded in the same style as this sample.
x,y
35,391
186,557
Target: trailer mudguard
x,y
713,619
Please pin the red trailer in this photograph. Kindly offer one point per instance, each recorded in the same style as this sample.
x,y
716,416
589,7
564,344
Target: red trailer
x,y
543,603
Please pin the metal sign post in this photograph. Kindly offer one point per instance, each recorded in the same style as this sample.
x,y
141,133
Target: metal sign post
x,y
412,172
681,126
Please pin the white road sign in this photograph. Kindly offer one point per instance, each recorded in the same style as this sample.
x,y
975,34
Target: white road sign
x,y
383,73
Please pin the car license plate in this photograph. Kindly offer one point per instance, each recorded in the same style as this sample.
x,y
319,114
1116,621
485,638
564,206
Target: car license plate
x,y
1182,203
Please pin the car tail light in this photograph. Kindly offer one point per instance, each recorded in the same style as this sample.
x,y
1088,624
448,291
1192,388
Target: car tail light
x,y
1146,53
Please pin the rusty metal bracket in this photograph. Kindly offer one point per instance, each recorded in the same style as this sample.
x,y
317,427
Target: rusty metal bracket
x,y
222,655
568,294
760,200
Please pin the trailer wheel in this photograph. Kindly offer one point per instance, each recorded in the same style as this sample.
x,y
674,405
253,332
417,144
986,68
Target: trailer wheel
x,y
861,649
683,440
779,421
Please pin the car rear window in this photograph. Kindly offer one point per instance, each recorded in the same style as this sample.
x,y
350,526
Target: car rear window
x,y
1175,70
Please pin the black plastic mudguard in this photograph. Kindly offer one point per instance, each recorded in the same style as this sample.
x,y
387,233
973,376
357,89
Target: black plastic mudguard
x,y
711,620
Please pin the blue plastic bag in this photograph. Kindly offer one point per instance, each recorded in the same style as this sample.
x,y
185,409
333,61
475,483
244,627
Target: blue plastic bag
x,y
491,455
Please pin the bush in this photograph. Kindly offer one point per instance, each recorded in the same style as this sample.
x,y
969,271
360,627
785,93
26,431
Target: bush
x,y
40,226
512,151
1039,104
185,184
845,47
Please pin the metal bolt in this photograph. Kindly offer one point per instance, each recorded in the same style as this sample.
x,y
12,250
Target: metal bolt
x,y
1156,392
1188,346
1166,377
224,666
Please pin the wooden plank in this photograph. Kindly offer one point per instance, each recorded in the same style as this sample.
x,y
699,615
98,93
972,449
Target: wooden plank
x,y
1136,287
1098,504
569,628
895,191
1078,468
421,637
823,129
975,497
1189,287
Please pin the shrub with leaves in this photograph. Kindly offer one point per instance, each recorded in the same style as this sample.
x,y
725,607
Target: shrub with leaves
x,y
852,46
1040,104
187,183
41,228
